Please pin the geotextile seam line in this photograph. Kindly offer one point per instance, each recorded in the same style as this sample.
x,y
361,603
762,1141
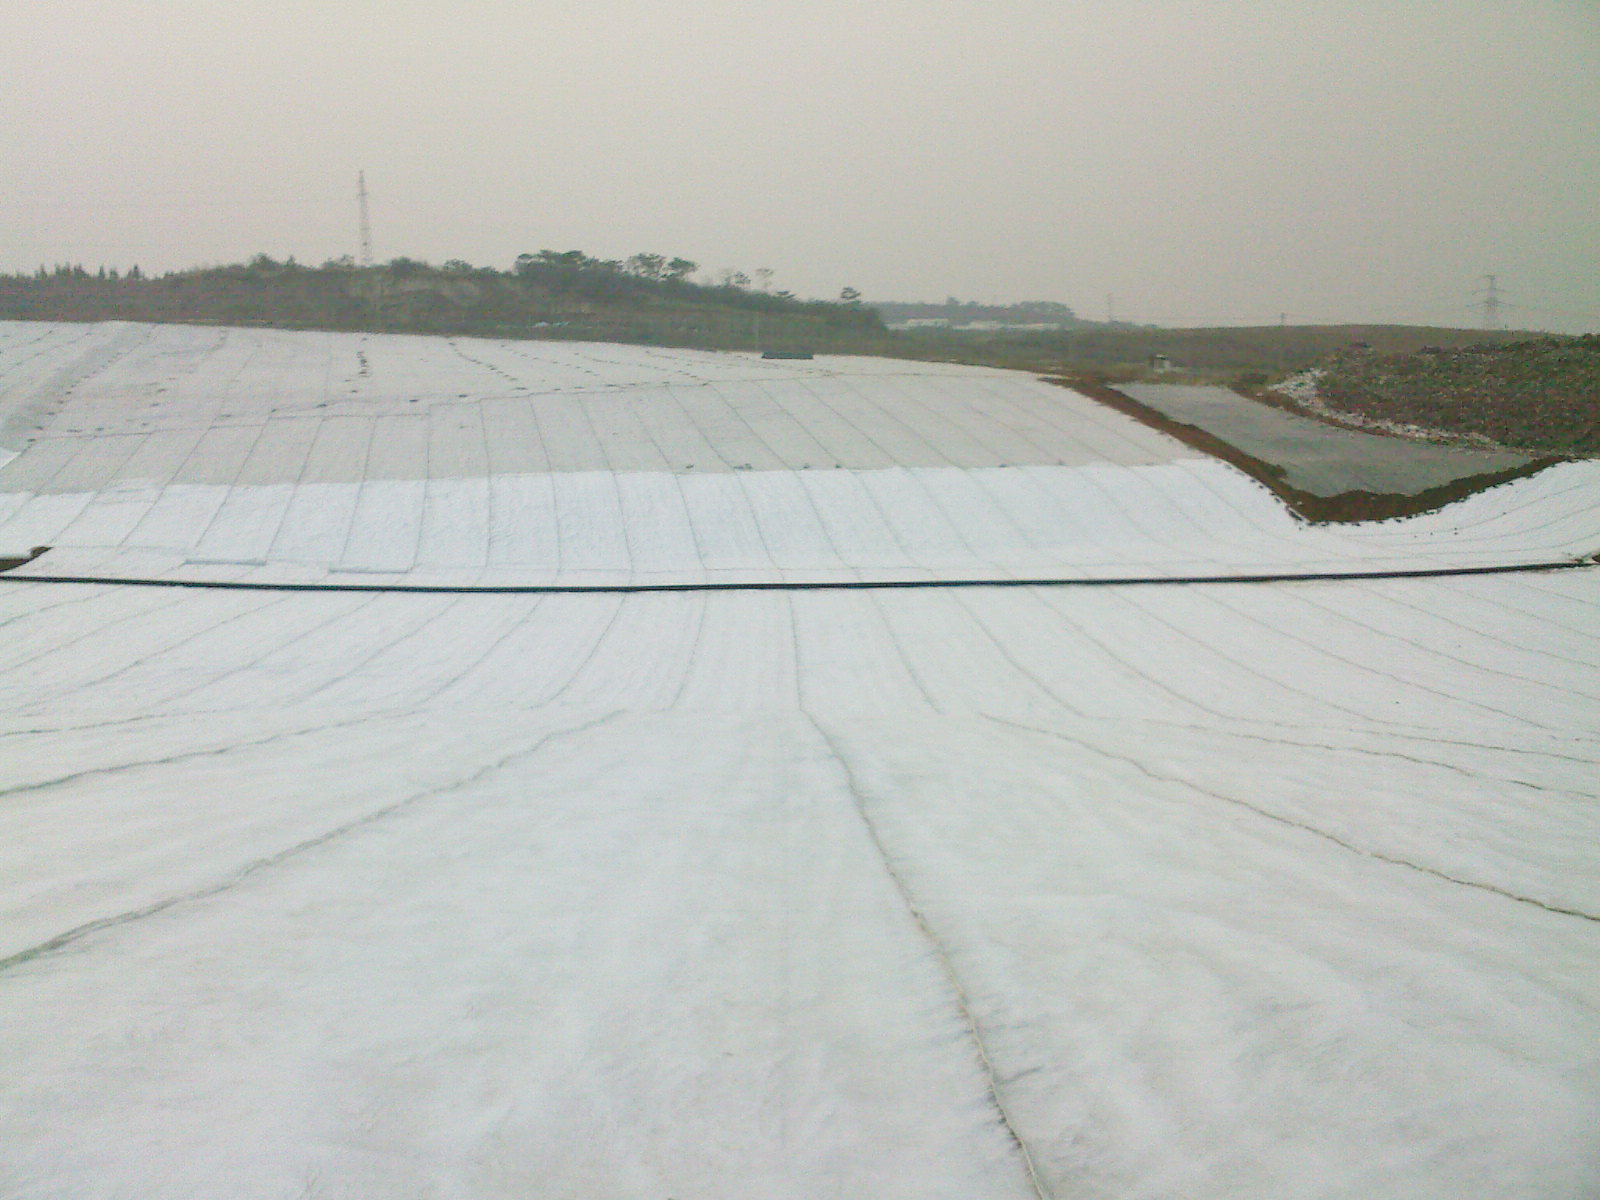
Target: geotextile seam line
x,y
815,585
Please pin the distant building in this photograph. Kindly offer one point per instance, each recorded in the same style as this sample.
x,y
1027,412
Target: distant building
x,y
976,326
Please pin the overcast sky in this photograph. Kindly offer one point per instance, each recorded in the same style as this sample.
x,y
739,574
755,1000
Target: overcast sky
x,y
1201,162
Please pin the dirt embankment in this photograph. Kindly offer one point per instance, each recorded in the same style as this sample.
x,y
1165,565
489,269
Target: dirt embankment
x,y
1541,394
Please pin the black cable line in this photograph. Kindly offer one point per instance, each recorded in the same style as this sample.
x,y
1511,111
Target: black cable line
x,y
815,585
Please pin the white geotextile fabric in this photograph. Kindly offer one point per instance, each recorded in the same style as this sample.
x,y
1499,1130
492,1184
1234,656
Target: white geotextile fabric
x,y
580,528
1122,892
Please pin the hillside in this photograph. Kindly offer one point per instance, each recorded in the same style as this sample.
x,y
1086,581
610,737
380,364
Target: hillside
x,y
552,294
1218,354
1529,393
1538,393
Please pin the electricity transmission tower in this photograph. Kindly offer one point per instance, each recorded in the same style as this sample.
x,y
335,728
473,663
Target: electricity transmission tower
x,y
366,221
1491,303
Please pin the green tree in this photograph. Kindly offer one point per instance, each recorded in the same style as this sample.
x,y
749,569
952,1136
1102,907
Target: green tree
x,y
646,266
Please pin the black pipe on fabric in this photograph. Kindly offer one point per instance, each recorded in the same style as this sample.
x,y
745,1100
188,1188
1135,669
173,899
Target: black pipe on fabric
x,y
819,585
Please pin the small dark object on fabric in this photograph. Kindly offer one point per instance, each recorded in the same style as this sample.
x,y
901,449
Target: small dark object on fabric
x,y
10,564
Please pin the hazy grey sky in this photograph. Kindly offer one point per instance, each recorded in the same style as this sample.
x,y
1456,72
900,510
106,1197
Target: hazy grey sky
x,y
1222,161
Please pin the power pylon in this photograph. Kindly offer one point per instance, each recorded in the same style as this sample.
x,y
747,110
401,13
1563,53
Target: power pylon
x,y
366,221
1491,303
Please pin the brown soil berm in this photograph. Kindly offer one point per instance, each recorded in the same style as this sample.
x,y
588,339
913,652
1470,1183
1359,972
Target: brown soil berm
x,y
1345,507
